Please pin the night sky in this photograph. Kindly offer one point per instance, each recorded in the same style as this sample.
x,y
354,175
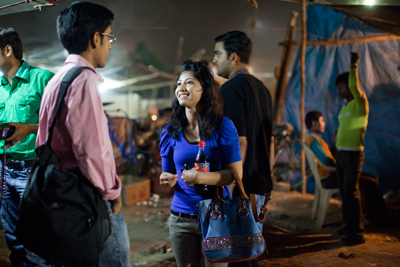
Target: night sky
x,y
162,22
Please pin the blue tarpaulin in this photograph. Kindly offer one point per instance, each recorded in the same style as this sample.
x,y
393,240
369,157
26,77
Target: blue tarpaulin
x,y
379,69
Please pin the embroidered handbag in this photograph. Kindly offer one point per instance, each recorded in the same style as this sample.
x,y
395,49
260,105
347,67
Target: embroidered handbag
x,y
62,216
232,229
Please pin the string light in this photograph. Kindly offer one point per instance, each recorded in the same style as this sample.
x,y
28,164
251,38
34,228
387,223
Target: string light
x,y
369,2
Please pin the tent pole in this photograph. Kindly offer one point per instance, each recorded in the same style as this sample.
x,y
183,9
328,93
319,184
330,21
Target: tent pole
x,y
282,72
303,89
14,4
346,41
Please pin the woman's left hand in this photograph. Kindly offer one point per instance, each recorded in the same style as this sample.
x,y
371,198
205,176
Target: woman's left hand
x,y
189,176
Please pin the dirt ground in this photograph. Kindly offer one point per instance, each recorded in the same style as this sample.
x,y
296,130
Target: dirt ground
x,y
290,235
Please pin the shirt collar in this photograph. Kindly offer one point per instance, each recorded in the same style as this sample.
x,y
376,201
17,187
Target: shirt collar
x,y
242,71
310,132
22,73
3,80
78,60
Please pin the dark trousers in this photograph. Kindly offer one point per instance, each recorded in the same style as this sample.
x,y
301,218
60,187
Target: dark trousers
x,y
252,263
373,204
348,165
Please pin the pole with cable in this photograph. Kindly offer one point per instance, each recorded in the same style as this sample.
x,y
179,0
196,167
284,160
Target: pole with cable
x,y
303,90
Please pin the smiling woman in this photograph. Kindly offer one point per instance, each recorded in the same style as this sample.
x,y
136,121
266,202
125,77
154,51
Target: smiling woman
x,y
188,91
197,116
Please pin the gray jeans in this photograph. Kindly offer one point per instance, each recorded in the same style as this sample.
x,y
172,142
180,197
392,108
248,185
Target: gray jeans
x,y
186,241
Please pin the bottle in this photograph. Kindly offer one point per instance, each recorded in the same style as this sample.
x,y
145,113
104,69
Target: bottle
x,y
201,164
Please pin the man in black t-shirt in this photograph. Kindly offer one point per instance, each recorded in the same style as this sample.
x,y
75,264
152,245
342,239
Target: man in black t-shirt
x,y
247,102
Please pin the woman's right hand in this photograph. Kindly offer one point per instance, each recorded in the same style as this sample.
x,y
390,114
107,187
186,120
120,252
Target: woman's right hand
x,y
168,179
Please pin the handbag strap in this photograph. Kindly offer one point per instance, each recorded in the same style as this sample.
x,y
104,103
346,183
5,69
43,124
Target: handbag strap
x,y
259,217
238,181
243,202
218,195
66,82
254,205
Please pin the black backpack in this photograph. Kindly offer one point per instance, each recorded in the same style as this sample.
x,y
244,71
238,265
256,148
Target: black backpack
x,y
62,216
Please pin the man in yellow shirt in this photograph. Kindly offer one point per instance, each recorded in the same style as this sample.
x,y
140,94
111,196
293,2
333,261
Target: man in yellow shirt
x,y
375,206
353,120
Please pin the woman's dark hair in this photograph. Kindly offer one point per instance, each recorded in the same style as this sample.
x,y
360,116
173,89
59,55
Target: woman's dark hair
x,y
11,37
211,112
79,21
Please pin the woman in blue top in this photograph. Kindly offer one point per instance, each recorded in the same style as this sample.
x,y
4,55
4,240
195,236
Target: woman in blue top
x,y
197,116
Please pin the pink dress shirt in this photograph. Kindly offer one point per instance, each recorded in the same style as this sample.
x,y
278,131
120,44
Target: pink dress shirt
x,y
80,137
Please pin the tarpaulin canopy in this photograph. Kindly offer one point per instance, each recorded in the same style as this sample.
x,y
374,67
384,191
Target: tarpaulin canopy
x,y
381,14
385,18
379,78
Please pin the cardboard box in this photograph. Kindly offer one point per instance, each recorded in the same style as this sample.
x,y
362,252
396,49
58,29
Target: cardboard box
x,y
139,190
122,178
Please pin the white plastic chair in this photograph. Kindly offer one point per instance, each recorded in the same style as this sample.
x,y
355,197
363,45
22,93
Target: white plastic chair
x,y
321,195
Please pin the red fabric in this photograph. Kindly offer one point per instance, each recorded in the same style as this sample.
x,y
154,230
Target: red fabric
x,y
54,2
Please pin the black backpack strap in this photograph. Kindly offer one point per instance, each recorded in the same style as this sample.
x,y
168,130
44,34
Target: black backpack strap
x,y
66,82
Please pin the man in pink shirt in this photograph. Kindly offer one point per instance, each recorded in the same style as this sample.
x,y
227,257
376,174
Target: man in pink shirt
x,y
80,137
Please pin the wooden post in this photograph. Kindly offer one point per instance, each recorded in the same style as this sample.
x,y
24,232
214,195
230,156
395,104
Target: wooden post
x,y
281,86
179,54
303,91
346,41
15,4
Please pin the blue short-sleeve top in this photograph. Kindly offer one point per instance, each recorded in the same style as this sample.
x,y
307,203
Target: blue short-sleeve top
x,y
222,148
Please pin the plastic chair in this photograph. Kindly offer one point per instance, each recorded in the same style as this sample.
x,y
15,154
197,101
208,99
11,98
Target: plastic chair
x,y
321,195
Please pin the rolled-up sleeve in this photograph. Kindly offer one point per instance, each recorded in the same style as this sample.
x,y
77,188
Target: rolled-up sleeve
x,y
91,144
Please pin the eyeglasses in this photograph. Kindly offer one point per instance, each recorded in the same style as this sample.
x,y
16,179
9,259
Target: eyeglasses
x,y
111,37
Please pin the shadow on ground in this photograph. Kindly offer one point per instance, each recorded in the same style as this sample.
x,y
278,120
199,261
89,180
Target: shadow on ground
x,y
290,234
283,243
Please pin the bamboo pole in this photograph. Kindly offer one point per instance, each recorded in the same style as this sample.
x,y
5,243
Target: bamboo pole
x,y
179,54
303,89
346,41
282,79
14,4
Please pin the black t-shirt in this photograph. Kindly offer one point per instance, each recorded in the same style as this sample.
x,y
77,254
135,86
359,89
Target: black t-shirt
x,y
242,107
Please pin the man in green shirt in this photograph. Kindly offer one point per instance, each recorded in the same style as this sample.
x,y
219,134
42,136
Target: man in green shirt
x,y
353,120
21,90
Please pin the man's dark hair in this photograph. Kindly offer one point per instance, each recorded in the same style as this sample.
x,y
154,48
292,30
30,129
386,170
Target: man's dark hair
x,y
11,37
238,42
79,21
211,114
342,78
312,116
